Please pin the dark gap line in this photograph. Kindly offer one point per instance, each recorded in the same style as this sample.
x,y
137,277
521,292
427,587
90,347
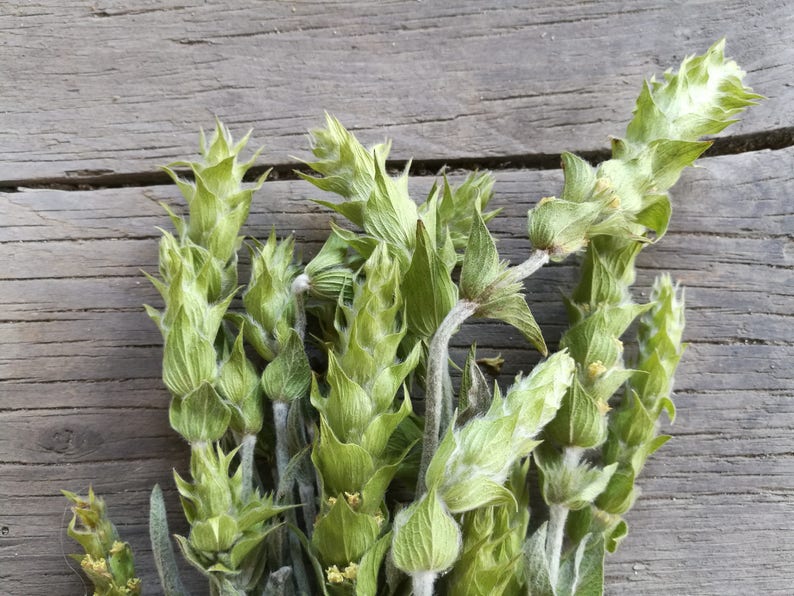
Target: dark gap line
x,y
773,140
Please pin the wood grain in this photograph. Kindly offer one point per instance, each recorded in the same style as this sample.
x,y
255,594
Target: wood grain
x,y
81,400
107,90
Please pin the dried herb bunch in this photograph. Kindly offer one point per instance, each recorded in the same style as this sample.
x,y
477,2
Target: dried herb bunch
x,y
328,481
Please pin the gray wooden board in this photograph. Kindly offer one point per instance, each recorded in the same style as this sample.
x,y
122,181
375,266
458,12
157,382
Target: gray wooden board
x,y
81,400
105,87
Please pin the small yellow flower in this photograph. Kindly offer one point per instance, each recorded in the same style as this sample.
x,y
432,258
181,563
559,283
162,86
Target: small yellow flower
x,y
351,571
545,200
595,369
116,548
99,566
353,499
134,585
333,575
331,501
615,203
379,519
603,407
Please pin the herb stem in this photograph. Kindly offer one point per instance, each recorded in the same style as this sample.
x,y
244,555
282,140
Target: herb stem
x,y
558,515
423,583
523,270
280,412
437,368
247,448
299,287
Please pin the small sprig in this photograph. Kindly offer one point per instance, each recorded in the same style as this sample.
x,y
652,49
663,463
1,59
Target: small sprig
x,y
108,562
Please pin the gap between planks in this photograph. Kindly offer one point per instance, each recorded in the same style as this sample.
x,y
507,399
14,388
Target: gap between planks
x,y
776,139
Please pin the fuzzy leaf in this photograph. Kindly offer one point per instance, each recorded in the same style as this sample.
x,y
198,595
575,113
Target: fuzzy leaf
x,y
513,310
343,466
201,415
582,572
537,565
342,535
162,550
289,376
429,289
426,537
480,261
369,567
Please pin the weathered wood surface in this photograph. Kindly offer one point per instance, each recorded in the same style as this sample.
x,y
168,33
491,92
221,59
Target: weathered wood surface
x,y
81,400
101,92
106,90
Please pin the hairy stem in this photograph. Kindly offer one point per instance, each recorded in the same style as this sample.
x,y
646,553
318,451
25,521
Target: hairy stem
x,y
423,583
280,411
437,358
536,260
299,287
558,515
438,386
307,495
247,448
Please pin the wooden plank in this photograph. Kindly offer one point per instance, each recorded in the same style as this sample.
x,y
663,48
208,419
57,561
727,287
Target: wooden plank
x,y
81,400
458,80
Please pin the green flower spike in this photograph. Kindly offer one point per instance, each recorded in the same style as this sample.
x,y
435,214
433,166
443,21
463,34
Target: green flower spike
x,y
108,562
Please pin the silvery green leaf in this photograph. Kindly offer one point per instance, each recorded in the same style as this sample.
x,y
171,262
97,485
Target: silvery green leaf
x,y
436,471
536,564
188,358
632,422
607,271
215,534
238,383
263,343
288,376
616,535
579,178
390,214
481,264
595,338
190,554
386,384
162,550
201,415
702,98
618,497
655,214
560,226
470,494
574,487
474,395
538,396
579,524
374,490
278,582
380,429
342,535
343,466
426,537
369,567
429,289
580,421
348,409
347,167
456,207
513,310
582,571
